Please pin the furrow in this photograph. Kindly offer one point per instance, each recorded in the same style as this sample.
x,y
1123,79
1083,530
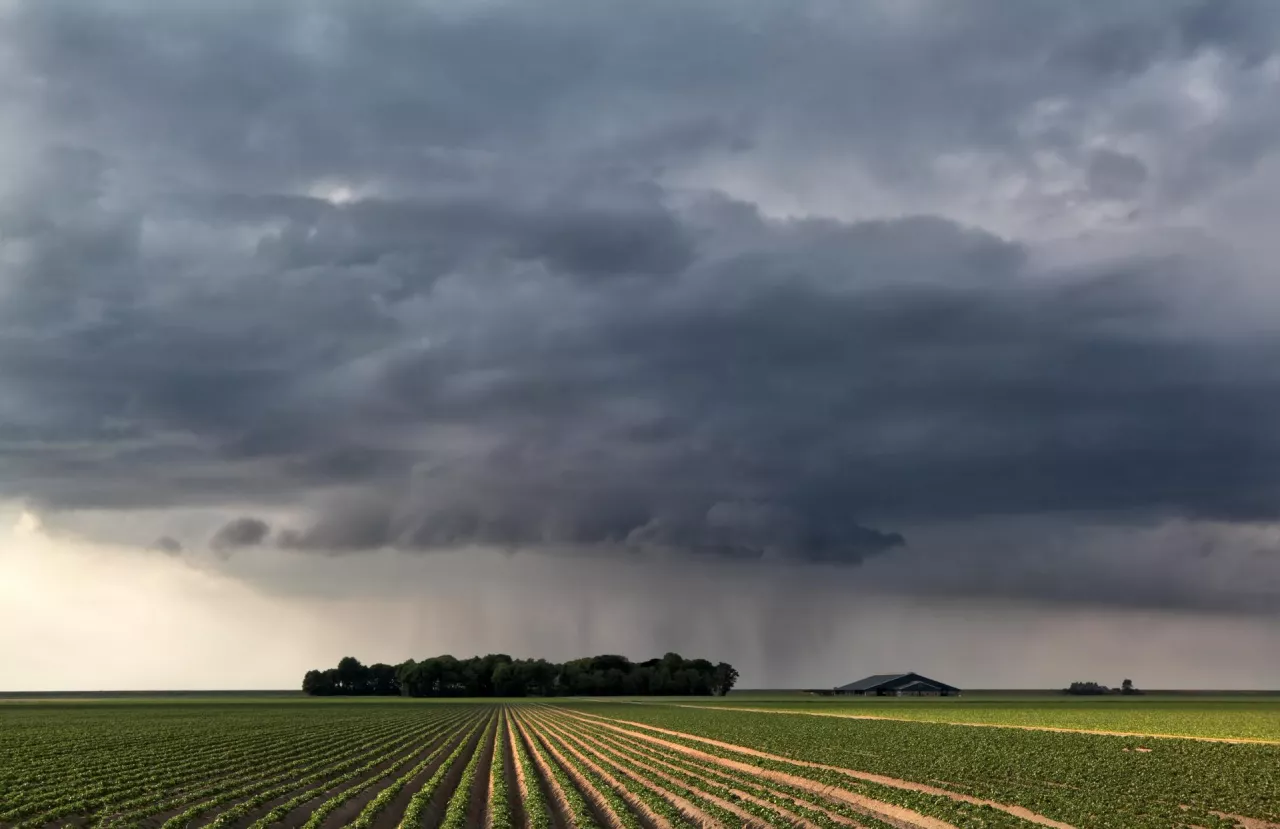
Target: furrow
x,y
699,809
679,811
646,815
133,801
426,807
893,815
803,804
595,792
363,809
532,802
500,813
261,810
466,806
562,816
174,816
803,768
688,787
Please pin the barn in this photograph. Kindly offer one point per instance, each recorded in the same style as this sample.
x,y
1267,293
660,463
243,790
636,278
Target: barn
x,y
897,685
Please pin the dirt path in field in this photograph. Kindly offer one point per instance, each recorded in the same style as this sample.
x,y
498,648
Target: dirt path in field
x,y
883,780
687,808
478,803
647,817
600,808
1057,729
561,813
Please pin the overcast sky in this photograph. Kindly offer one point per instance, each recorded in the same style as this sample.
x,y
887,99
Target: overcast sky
x,y
828,338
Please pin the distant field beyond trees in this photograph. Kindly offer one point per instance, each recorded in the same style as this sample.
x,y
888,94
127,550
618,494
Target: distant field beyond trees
x,y
498,675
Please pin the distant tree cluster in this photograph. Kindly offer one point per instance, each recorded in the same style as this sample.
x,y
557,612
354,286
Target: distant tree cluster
x,y
498,675
1088,689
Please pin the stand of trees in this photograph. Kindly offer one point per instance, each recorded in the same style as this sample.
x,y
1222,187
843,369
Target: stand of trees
x,y
1094,689
498,675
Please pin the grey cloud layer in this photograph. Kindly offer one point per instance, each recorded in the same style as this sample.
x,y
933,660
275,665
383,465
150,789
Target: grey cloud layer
x,y
429,276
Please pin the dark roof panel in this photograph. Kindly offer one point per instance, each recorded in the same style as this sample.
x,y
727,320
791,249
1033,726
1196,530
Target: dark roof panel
x,y
894,682
870,682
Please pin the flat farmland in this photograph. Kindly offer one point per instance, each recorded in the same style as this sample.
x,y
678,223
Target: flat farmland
x,y
380,764
1237,716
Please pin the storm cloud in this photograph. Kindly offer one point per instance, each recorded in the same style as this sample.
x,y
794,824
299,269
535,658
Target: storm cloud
x,y
786,282
242,532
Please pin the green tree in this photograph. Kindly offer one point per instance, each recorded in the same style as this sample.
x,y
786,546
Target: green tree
x,y
725,677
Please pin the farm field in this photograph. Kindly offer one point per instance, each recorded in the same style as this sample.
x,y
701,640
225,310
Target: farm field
x,y
391,763
1227,717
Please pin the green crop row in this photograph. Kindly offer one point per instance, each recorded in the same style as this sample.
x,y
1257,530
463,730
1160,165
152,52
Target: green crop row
x,y
635,784
959,813
1082,779
455,816
670,784
438,736
348,770
365,819
536,811
563,755
71,795
499,793
422,798
245,776
782,795
704,787
579,811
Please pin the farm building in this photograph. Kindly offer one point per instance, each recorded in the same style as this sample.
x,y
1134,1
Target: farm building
x,y
897,685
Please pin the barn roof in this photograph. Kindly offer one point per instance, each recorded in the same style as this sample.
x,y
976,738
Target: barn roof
x,y
894,680
874,681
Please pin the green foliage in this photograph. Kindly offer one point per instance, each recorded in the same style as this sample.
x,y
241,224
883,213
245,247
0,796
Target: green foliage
x,y
578,809
121,769
1229,717
455,816
1085,780
593,779
498,675
218,765
536,810
500,797
422,798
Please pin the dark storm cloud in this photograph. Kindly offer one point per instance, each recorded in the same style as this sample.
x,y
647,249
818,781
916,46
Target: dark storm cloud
x,y
242,532
168,545
434,275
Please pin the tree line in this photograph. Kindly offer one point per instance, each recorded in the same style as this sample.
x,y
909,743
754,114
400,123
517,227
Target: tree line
x,y
498,675
1093,689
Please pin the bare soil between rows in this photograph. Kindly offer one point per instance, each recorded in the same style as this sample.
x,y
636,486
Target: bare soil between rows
x,y
478,799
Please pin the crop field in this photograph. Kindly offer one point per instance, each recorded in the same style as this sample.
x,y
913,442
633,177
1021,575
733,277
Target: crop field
x,y
612,765
1232,717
